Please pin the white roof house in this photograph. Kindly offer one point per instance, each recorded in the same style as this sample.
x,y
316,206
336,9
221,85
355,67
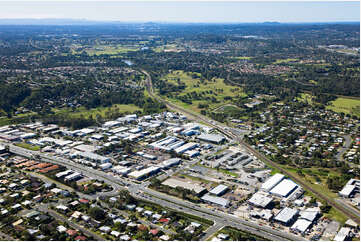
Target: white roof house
x,y
272,182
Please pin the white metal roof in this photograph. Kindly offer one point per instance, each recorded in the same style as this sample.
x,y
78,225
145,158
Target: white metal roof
x,y
217,200
347,190
272,182
178,183
260,200
211,137
342,234
301,225
286,215
284,188
218,189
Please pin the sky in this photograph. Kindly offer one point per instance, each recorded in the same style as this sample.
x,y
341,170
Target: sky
x,y
183,11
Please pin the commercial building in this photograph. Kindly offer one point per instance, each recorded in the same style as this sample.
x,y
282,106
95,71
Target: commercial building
x,y
286,216
351,187
309,214
121,170
93,157
142,174
343,234
105,166
215,200
260,200
184,148
212,138
265,214
272,182
301,225
72,177
63,173
284,188
171,162
219,190
110,124
189,186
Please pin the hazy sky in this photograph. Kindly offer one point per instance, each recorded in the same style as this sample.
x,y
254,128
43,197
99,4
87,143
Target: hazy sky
x,y
186,11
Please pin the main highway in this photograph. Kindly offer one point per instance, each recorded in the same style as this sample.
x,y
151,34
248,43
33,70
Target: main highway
x,y
142,192
195,116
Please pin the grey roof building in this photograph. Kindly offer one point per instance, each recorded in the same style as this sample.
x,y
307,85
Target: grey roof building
x,y
213,138
286,215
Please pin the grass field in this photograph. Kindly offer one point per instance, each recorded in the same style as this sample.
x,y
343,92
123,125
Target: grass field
x,y
108,50
194,84
241,57
346,105
19,118
28,146
169,47
310,179
280,61
305,97
102,111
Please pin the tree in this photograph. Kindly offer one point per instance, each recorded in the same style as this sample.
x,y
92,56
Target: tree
x,y
97,213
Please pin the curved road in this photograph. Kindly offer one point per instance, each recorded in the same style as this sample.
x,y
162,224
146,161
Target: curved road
x,y
214,124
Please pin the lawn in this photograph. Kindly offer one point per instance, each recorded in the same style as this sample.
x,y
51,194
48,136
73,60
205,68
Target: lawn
x,y
310,178
102,111
28,146
305,97
168,47
336,215
280,61
193,83
108,50
345,105
321,187
241,57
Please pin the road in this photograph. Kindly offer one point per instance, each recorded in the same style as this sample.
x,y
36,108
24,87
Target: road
x,y
260,156
162,199
345,147
211,231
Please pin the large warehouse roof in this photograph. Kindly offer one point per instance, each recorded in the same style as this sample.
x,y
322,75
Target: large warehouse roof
x,y
214,138
218,190
178,183
347,190
272,182
144,172
342,234
286,215
301,225
260,200
216,200
284,188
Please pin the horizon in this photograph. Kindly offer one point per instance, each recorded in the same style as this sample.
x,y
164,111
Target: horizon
x,y
182,11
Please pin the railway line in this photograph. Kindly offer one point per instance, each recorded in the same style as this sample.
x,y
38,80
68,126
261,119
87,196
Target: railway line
x,y
194,116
